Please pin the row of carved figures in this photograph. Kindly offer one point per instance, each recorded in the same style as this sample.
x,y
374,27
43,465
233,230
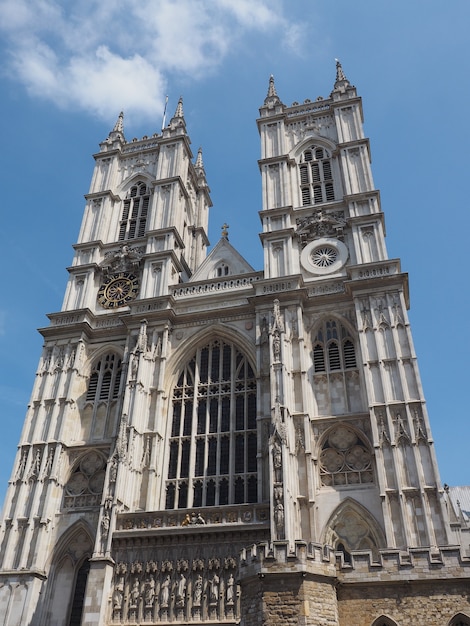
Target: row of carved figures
x,y
173,593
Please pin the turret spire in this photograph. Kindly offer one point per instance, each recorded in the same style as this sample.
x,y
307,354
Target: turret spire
x,y
199,161
340,75
119,125
341,82
118,130
179,108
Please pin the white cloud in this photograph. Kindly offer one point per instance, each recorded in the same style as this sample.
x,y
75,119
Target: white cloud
x,y
102,55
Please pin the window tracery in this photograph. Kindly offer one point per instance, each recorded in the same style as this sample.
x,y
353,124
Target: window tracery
x,y
345,458
134,212
316,178
213,441
85,485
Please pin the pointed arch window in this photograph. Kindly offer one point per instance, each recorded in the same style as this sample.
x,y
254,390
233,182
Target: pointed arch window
x,y
213,442
99,415
316,179
134,212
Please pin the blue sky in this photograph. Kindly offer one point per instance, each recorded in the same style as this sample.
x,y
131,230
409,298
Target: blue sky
x,y
69,68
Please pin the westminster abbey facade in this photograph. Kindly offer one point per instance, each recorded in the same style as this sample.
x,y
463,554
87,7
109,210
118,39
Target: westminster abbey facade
x,y
210,443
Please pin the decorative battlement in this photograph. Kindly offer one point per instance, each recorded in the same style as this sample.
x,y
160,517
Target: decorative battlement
x,y
359,566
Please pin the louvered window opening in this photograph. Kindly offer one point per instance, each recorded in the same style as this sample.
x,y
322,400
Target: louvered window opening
x,y
333,349
134,213
213,443
105,379
316,179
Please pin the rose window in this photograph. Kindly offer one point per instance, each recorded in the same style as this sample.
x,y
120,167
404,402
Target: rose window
x,y
324,256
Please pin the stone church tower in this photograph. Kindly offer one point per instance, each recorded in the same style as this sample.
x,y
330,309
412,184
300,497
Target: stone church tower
x,y
208,443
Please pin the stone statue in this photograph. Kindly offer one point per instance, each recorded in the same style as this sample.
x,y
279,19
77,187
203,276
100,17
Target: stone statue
x,y
149,592
197,591
118,593
166,591
215,588
230,583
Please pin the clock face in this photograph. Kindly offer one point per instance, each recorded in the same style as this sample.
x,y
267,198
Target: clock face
x,y
118,290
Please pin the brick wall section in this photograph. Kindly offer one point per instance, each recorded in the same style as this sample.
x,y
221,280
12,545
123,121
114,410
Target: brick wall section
x,y
409,604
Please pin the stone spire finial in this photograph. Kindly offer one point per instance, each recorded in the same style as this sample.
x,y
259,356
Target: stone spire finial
x,y
272,87
225,228
119,125
339,71
199,162
272,98
179,108
117,134
341,82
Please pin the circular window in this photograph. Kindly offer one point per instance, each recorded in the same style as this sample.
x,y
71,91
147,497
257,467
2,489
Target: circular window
x,y
324,256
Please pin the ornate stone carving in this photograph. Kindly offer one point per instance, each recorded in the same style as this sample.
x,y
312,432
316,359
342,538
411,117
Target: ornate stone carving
x,y
320,224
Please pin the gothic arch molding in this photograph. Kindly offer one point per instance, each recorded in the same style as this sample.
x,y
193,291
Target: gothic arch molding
x,y
307,141
132,180
214,331
460,620
79,531
73,550
98,354
317,323
353,526
383,620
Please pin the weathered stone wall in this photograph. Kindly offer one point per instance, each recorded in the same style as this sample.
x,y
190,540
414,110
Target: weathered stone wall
x,y
289,600
409,603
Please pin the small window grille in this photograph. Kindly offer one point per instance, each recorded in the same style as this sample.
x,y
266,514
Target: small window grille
x,y
333,356
318,359
349,354
306,196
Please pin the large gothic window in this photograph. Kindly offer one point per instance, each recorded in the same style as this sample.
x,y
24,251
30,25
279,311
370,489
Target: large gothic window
x,y
134,212
316,179
213,442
